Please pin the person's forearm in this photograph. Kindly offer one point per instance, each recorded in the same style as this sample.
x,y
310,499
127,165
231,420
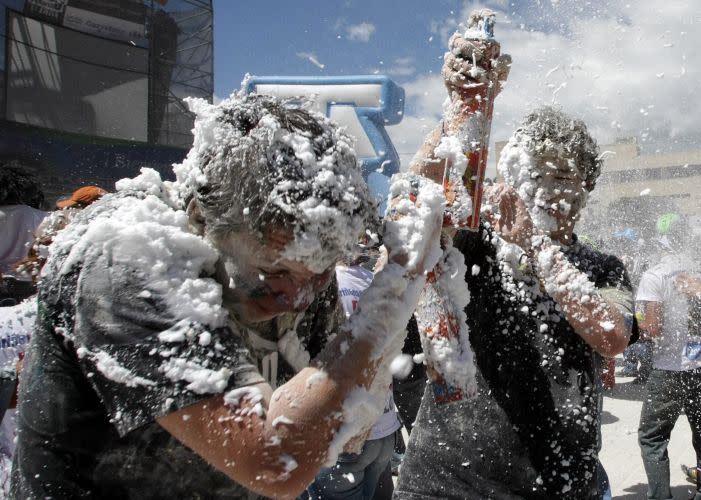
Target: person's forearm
x,y
305,414
598,322
275,442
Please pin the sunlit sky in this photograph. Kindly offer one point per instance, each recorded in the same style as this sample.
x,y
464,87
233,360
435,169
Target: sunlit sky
x,y
628,68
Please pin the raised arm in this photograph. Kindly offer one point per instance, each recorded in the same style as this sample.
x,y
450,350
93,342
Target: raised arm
x,y
603,318
473,70
275,442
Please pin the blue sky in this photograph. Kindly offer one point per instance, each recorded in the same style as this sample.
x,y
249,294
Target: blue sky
x,y
353,37
628,68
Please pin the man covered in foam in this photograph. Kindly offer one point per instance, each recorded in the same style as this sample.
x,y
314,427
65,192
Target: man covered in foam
x,y
543,308
162,307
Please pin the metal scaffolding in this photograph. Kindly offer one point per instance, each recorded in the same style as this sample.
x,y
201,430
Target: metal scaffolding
x,y
173,37
181,65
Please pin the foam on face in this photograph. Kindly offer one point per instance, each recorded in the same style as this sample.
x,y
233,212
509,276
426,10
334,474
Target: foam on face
x,y
535,181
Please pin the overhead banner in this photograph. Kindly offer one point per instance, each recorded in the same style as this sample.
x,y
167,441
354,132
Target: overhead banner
x,y
104,26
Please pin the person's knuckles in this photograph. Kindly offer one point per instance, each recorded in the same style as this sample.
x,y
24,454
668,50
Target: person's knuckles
x,y
448,58
461,47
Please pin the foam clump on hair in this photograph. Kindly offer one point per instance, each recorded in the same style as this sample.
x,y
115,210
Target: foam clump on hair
x,y
258,163
549,140
549,133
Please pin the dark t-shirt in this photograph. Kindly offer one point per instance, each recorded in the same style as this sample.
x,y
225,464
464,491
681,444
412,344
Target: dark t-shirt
x,y
531,432
106,361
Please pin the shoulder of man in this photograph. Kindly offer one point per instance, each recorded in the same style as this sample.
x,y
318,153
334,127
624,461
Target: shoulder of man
x,y
106,297
604,269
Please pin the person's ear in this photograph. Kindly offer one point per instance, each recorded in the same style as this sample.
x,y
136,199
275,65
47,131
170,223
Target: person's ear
x,y
194,217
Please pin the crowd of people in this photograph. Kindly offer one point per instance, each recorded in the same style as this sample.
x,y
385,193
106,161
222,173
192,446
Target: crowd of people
x,y
248,329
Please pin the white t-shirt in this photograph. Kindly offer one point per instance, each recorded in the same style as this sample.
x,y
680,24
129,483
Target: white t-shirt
x,y
677,348
16,327
17,226
352,282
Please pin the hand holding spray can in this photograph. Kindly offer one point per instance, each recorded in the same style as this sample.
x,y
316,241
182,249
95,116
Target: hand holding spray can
x,y
474,72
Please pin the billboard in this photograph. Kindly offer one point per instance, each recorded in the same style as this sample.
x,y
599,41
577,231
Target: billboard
x,y
53,82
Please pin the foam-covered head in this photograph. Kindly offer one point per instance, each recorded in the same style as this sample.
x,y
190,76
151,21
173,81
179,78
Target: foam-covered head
x,y
257,164
553,163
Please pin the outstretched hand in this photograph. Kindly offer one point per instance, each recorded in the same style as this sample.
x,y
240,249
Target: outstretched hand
x,y
509,215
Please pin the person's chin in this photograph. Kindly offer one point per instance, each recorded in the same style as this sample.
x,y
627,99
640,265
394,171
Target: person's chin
x,y
259,311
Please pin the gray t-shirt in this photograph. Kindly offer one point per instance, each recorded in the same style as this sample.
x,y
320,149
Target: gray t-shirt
x,y
106,361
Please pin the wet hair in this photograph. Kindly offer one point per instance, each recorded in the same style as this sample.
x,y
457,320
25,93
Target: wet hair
x,y
18,186
550,133
254,179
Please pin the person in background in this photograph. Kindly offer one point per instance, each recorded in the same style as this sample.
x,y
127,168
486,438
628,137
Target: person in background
x,y
633,251
54,222
17,322
16,328
21,199
668,302
637,359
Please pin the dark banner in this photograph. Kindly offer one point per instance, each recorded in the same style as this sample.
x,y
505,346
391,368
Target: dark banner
x,y
47,10
64,162
129,10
